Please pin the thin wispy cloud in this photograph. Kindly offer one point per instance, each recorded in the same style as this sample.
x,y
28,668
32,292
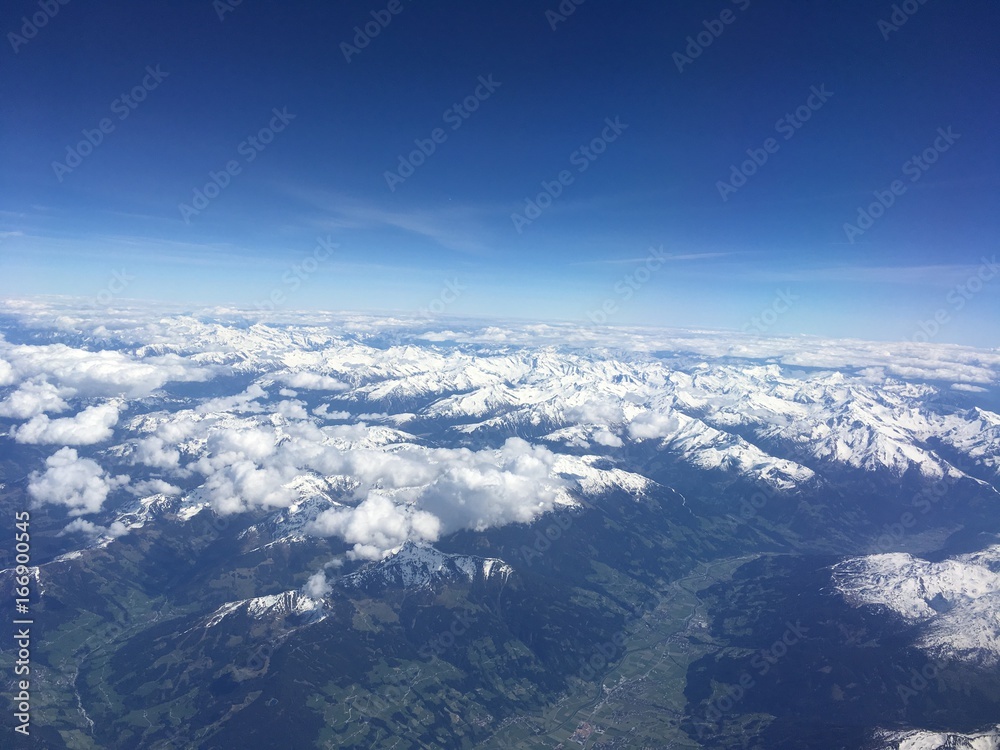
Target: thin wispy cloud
x,y
454,226
929,275
666,257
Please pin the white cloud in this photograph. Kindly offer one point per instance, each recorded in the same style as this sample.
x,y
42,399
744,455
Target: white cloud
x,y
608,438
593,411
34,397
93,530
241,402
80,484
7,376
317,586
291,409
180,427
92,425
377,525
105,373
153,451
154,487
323,410
515,484
968,388
242,485
311,381
405,490
441,491
253,443
650,425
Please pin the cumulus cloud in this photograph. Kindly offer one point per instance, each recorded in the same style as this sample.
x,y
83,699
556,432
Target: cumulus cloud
x,y
101,373
92,425
254,443
515,484
402,490
608,438
968,388
6,373
650,425
292,409
238,459
441,491
600,412
241,402
35,397
242,485
311,381
323,410
154,451
317,586
180,427
93,530
79,484
377,525
154,487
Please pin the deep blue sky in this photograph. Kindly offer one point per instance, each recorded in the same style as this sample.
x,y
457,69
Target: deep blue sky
x,y
656,185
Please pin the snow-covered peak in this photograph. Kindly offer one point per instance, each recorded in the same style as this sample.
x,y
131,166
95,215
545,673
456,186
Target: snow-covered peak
x,y
304,413
915,589
955,603
416,565
272,607
924,740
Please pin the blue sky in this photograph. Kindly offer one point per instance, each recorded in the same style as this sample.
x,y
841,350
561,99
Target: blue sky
x,y
443,238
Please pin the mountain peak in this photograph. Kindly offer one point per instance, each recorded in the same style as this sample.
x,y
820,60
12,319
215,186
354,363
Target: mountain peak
x,y
418,564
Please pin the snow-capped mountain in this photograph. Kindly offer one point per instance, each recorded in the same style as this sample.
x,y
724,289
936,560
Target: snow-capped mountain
x,y
177,464
415,566
306,420
955,603
305,609
924,740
